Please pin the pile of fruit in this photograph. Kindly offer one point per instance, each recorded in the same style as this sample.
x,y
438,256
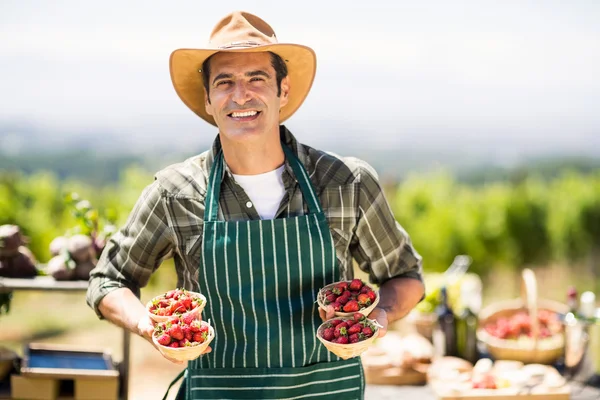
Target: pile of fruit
x,y
348,330
175,302
519,325
348,297
181,331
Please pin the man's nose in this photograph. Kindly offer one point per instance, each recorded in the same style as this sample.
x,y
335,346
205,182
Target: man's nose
x,y
240,93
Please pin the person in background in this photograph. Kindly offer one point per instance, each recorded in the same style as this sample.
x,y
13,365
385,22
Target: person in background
x,y
258,224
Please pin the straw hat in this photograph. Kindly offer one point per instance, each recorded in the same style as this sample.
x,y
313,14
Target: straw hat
x,y
245,33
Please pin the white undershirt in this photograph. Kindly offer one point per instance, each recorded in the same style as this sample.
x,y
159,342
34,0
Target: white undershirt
x,y
264,190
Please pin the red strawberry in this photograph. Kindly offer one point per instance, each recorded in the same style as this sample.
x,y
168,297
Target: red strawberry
x,y
342,286
195,326
355,329
170,294
174,344
351,306
342,340
174,320
188,318
344,298
176,332
163,312
177,307
335,322
187,302
358,317
336,306
354,338
187,332
331,298
328,334
200,337
364,299
367,331
164,339
183,343
372,295
340,330
355,285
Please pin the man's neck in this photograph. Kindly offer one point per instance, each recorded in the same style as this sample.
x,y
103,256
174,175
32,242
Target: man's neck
x,y
253,158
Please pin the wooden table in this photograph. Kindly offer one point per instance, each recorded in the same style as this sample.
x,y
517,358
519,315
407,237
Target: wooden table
x,y
378,392
47,283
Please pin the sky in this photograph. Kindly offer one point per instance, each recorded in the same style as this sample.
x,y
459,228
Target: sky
x,y
512,73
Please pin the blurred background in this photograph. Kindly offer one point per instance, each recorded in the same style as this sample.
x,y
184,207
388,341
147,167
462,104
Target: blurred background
x,y
480,117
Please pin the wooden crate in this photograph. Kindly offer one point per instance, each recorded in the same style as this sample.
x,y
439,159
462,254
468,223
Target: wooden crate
x,y
26,388
92,371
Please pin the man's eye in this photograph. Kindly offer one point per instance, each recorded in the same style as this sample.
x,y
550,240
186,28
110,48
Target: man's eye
x,y
220,83
256,79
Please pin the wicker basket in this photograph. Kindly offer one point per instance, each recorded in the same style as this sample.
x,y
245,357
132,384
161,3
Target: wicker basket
x,y
186,353
534,350
365,311
349,350
163,318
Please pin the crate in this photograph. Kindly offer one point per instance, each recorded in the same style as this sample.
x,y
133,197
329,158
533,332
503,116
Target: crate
x,y
26,388
92,372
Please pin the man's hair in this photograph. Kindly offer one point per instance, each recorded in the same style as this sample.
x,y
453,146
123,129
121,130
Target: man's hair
x,y
277,62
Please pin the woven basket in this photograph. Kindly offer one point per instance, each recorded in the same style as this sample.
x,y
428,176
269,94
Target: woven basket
x,y
534,350
162,318
365,311
349,350
186,353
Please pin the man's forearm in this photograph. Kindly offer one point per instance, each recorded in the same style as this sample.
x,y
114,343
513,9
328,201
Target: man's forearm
x,y
399,296
122,308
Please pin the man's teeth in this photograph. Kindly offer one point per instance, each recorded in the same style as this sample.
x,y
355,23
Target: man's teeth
x,y
243,114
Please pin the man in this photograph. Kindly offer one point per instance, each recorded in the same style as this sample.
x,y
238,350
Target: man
x,y
258,224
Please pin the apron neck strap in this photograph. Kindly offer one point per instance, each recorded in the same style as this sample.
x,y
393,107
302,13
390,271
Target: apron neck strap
x,y
216,176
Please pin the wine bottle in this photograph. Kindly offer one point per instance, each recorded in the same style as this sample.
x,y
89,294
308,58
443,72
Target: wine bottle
x,y
470,295
444,336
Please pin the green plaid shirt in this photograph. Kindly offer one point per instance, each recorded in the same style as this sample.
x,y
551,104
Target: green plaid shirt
x,y
167,221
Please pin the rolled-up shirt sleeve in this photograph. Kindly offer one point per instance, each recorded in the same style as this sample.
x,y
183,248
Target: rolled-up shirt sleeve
x,y
134,252
380,245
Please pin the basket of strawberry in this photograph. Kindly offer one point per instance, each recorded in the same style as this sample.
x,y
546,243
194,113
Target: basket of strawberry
x,y
183,337
175,302
348,297
348,337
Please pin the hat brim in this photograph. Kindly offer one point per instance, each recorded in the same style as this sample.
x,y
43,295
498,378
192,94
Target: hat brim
x,y
185,65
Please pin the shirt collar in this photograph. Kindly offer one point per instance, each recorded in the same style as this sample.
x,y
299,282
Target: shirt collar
x,y
286,138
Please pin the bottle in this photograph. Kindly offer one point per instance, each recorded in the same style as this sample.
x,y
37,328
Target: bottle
x,y
467,322
572,300
444,335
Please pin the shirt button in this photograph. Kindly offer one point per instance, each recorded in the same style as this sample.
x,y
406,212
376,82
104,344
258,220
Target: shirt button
x,y
249,204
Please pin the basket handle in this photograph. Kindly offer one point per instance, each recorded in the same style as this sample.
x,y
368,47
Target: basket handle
x,y
530,299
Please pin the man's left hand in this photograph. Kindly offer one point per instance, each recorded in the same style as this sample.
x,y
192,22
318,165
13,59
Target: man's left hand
x,y
381,317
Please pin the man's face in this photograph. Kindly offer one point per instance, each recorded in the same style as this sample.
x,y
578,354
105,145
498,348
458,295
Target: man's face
x,y
243,95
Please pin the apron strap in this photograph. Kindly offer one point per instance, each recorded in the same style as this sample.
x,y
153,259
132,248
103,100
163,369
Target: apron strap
x,y
216,173
178,377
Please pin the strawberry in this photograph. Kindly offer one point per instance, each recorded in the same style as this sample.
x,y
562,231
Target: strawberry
x,y
335,322
330,299
177,307
200,337
344,298
183,343
187,332
372,295
337,291
354,338
351,306
340,330
328,334
174,344
358,317
367,331
176,332
188,318
364,299
336,306
164,339
195,326
174,320
342,286
342,340
170,294
355,285
355,329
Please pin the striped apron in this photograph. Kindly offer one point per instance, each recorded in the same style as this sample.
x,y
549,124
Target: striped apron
x,y
261,280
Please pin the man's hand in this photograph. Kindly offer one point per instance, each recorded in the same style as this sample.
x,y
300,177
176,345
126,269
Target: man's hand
x,y
327,314
379,315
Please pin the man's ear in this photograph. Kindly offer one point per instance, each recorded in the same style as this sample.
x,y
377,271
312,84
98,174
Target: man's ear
x,y
207,104
285,91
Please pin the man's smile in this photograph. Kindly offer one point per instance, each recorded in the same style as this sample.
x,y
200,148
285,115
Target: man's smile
x,y
244,115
